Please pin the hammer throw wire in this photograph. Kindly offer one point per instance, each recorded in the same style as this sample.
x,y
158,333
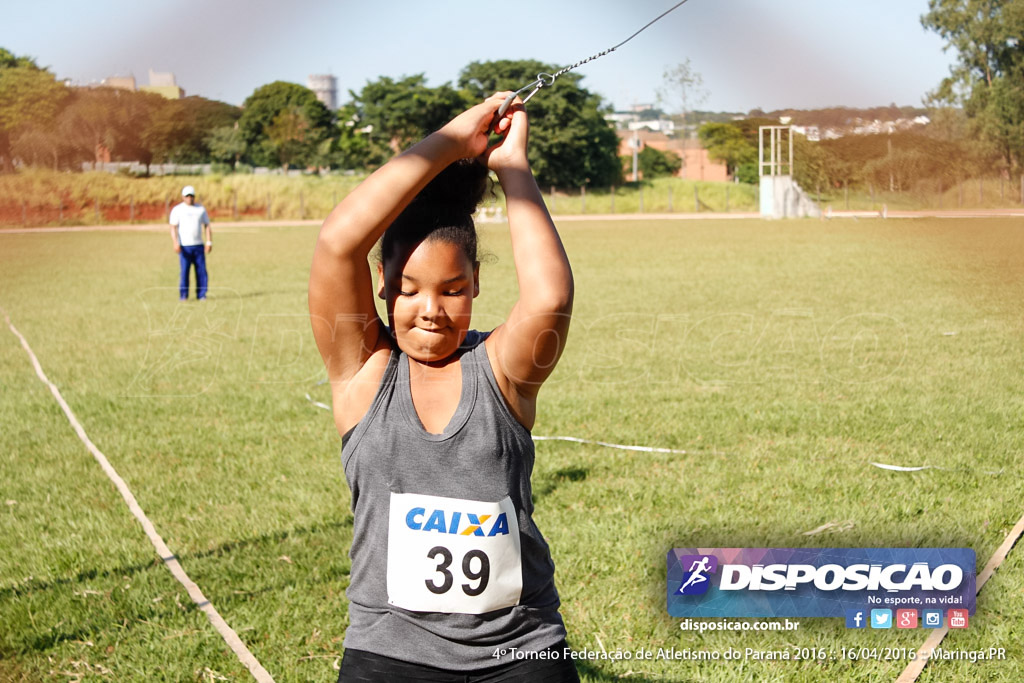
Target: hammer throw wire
x,y
545,80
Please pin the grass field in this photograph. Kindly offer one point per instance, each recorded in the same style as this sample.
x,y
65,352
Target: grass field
x,y
784,356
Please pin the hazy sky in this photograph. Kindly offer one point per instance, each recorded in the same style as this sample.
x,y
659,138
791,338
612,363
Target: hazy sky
x,y
750,53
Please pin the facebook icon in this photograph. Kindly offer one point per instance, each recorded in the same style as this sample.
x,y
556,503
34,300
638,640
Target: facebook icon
x,y
856,618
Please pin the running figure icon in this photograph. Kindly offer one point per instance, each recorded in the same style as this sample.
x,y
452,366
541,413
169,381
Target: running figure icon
x,y
697,570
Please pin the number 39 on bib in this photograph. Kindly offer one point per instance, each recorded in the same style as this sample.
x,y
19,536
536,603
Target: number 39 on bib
x,y
453,556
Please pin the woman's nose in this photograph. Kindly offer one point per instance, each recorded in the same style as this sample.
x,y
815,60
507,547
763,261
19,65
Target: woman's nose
x,y
432,307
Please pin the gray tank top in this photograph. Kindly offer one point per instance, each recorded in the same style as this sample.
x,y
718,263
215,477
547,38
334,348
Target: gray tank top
x,y
447,564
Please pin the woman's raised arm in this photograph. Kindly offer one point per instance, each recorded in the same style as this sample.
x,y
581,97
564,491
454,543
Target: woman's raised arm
x,y
526,347
345,322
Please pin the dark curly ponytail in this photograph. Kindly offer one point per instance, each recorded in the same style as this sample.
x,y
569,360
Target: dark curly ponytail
x,y
443,210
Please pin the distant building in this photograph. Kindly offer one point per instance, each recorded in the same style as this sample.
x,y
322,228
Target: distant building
x,y
164,84
120,82
657,125
325,86
622,119
697,164
161,83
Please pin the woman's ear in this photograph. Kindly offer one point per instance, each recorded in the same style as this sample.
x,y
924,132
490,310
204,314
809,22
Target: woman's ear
x,y
380,281
476,279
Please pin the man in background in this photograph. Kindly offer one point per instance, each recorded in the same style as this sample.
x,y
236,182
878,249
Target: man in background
x,y
189,225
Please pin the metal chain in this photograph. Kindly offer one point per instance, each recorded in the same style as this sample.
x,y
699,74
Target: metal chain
x,y
611,49
546,80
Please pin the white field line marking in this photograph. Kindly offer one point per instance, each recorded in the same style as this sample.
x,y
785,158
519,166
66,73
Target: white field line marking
x,y
169,559
915,668
642,449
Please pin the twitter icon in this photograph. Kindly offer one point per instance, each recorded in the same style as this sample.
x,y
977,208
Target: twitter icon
x,y
881,618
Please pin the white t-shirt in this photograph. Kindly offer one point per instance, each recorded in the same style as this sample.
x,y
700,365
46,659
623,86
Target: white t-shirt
x,y
190,221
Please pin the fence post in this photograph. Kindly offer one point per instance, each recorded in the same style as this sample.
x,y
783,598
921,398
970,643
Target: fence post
x,y
613,193
583,198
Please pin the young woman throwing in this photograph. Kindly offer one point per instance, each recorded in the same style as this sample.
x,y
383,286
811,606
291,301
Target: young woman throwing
x,y
450,576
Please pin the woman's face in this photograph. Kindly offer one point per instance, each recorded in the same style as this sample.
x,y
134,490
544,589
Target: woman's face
x,y
429,292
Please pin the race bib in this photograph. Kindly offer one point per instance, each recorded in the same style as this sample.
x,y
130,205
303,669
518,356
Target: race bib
x,y
453,556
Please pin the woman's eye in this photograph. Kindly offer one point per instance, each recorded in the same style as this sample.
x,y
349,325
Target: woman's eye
x,y
455,292
401,293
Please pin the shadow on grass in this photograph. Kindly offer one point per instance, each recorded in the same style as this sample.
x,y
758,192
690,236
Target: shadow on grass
x,y
82,627
548,484
36,585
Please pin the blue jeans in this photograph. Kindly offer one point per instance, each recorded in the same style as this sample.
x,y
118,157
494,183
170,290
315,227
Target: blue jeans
x,y
193,256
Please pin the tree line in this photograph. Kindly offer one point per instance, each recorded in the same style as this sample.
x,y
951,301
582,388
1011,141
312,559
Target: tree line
x,y
43,122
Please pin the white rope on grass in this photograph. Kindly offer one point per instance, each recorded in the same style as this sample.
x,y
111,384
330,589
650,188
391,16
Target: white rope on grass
x,y
642,449
574,439
169,559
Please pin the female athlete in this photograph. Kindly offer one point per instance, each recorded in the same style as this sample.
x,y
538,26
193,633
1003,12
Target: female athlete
x,y
451,580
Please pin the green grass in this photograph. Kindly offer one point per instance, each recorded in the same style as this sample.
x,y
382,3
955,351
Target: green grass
x,y
785,356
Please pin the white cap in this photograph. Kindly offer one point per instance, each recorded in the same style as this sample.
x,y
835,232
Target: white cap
x,y
188,190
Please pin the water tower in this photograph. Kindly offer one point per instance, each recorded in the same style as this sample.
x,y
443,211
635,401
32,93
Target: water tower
x,y
326,88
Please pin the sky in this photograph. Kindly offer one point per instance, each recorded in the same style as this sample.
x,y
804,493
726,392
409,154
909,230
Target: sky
x,y
800,54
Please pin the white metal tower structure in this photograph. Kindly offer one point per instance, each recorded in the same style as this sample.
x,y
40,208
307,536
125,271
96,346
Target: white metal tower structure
x,y
781,197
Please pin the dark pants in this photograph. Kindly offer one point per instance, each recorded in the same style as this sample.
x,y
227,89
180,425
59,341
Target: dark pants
x,y
193,256
365,667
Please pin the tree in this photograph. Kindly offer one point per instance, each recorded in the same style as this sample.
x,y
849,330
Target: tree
x,y
653,163
682,89
988,80
261,112
353,147
396,114
179,130
571,143
119,120
725,142
226,144
29,97
293,138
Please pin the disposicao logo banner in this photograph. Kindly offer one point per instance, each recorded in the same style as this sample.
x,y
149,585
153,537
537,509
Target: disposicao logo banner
x,y
817,582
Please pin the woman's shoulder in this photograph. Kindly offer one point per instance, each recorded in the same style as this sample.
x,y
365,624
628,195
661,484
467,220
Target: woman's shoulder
x,y
473,340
